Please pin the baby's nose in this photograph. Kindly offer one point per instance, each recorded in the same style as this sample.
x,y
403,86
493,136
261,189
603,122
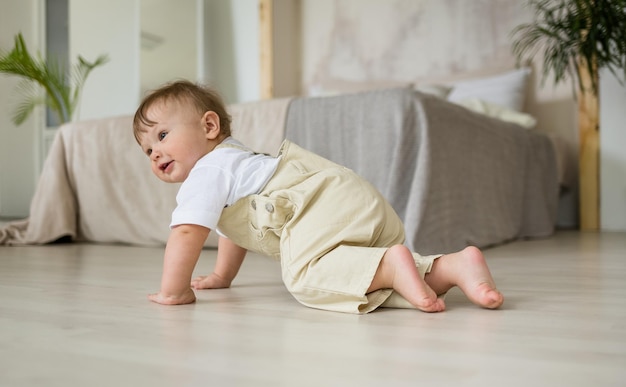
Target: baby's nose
x,y
155,155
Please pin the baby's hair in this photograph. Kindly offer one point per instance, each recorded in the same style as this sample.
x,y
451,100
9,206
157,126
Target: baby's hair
x,y
203,98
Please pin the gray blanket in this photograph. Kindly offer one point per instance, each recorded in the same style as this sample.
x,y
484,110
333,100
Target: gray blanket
x,y
455,177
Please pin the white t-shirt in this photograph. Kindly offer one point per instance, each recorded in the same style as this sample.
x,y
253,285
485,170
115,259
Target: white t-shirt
x,y
219,179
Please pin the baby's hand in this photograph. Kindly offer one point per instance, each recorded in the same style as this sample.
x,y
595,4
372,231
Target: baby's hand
x,y
186,298
211,281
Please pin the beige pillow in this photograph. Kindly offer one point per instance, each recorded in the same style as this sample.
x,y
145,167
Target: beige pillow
x,y
441,91
500,112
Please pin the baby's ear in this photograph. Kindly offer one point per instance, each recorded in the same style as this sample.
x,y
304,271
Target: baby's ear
x,y
211,124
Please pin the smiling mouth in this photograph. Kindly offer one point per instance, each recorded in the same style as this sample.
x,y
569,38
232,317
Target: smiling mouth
x,y
164,166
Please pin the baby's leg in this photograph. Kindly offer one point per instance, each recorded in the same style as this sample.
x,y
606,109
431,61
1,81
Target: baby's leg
x,y
468,270
397,271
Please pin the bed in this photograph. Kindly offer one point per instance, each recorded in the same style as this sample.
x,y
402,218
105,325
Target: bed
x,y
455,176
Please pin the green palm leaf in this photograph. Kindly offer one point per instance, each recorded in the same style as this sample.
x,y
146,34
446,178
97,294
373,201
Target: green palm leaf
x,y
32,97
571,33
62,91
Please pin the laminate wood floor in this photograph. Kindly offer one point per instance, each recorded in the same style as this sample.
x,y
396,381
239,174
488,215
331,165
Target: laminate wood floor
x,y
77,315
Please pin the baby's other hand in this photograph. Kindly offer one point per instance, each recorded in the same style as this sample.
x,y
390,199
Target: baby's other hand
x,y
211,281
186,298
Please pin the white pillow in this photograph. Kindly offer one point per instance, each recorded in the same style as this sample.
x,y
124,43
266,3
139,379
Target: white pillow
x,y
508,89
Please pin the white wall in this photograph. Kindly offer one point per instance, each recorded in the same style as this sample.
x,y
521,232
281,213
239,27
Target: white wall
x,y
232,49
19,155
231,56
422,41
107,27
612,153
230,46
174,53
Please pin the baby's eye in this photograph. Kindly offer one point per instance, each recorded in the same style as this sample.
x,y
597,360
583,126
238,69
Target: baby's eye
x,y
162,135
149,152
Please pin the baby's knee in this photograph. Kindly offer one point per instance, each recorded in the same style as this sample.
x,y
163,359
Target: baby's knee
x,y
472,253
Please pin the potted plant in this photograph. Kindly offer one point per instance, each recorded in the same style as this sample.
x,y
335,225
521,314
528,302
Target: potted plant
x,y
62,90
577,38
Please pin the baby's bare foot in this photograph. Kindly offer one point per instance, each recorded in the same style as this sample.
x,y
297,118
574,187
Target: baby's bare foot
x,y
408,283
474,279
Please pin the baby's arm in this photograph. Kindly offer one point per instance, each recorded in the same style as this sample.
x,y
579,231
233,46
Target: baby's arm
x,y
229,260
181,255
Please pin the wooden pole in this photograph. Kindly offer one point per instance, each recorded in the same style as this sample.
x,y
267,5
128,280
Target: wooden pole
x,y
589,152
266,21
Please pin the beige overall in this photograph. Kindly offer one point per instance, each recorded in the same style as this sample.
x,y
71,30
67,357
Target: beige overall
x,y
328,227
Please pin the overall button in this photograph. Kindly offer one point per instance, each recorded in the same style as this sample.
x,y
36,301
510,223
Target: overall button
x,y
269,207
253,204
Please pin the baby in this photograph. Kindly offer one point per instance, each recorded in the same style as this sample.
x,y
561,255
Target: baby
x,y
338,240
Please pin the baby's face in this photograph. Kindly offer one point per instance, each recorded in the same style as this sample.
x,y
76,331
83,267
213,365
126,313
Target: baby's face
x,y
176,142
